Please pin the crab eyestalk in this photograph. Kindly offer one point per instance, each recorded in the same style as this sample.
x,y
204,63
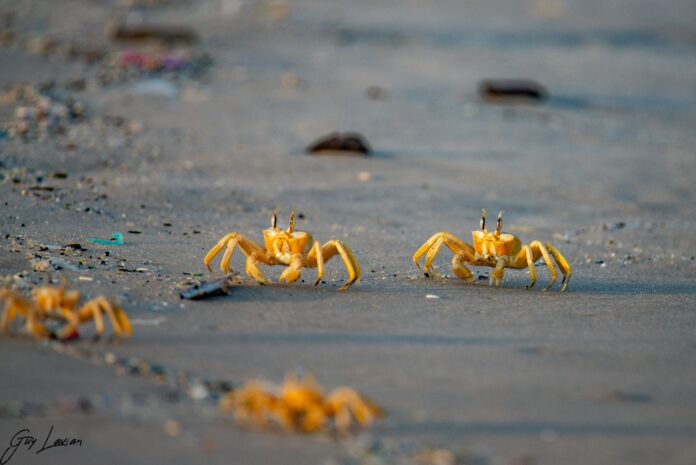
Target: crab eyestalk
x,y
274,219
483,219
499,225
291,226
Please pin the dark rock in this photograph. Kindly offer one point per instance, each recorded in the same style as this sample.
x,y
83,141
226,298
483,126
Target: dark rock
x,y
512,91
349,143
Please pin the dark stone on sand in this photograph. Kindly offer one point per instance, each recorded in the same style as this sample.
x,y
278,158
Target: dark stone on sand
x,y
348,143
512,91
167,34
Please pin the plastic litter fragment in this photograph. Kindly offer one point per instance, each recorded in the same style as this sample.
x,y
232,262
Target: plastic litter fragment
x,y
116,239
204,290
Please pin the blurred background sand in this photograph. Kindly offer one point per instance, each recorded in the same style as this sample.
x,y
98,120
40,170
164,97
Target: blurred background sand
x,y
603,374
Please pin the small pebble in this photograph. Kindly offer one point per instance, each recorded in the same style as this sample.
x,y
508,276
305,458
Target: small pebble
x,y
172,428
198,392
432,296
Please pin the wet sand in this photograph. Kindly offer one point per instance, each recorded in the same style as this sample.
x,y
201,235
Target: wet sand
x,y
601,374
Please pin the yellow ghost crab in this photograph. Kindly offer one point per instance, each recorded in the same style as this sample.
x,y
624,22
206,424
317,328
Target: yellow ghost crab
x,y
301,405
290,248
498,250
56,304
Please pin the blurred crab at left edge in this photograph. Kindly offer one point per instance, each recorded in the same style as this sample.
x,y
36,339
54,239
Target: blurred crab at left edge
x,y
53,312
290,248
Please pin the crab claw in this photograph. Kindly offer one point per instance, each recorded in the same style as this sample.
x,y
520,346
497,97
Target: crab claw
x,y
289,276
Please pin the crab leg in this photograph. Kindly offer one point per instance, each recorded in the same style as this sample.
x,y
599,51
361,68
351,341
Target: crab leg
x,y
230,241
315,258
19,306
458,248
334,247
432,254
91,309
227,256
253,252
459,269
8,315
536,245
497,273
461,256
528,256
343,401
562,264
35,328
253,270
112,311
292,272
435,242
425,248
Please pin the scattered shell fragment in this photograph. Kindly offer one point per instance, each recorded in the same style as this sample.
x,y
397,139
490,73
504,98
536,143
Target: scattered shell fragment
x,y
172,427
364,176
42,266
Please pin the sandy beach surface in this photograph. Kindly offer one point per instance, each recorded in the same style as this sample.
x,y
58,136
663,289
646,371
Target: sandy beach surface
x,y
604,373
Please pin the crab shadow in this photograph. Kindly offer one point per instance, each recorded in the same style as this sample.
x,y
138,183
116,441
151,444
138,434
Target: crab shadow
x,y
632,288
374,154
300,292
576,287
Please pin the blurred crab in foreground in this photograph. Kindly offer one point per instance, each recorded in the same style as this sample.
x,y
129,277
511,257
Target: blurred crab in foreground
x,y
56,305
300,405
499,250
294,249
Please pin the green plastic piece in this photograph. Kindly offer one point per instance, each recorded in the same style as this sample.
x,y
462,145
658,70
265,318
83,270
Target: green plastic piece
x,y
116,239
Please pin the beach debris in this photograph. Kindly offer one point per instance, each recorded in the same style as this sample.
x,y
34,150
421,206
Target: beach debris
x,y
432,296
39,111
291,248
512,91
166,34
364,176
498,250
205,290
51,307
41,266
336,143
614,226
300,405
116,239
178,58
152,61
156,88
